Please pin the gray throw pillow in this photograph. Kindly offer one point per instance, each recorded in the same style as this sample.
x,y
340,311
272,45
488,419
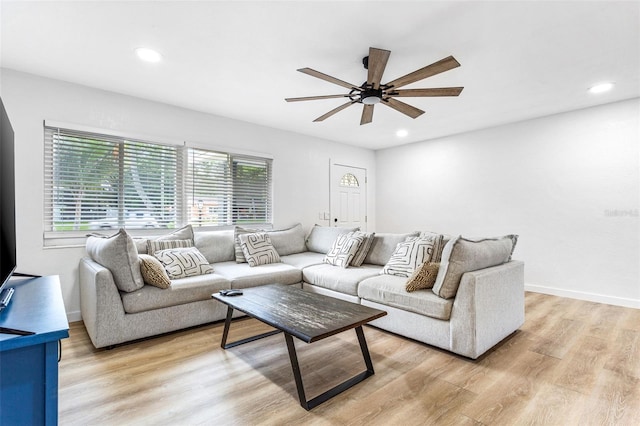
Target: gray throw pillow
x,y
462,255
288,241
321,238
119,255
216,246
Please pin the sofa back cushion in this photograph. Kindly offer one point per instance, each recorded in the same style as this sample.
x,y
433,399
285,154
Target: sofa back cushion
x,y
288,241
462,255
119,255
216,246
383,246
321,238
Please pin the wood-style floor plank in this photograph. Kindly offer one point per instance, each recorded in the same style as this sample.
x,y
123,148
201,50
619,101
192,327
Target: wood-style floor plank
x,y
571,363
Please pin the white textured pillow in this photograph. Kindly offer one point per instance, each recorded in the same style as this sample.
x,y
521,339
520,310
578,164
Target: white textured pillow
x,y
184,233
408,255
183,262
362,252
157,245
344,248
257,249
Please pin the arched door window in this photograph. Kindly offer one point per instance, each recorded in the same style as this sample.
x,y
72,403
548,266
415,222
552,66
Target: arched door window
x,y
349,180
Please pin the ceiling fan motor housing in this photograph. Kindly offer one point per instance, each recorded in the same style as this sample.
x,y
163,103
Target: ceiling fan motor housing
x,y
370,96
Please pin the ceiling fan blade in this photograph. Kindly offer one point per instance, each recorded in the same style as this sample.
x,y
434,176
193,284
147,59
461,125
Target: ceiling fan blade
x,y
335,110
367,114
406,109
418,93
313,98
328,78
377,63
430,70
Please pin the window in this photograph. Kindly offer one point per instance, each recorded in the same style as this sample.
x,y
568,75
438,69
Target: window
x,y
97,182
349,180
225,189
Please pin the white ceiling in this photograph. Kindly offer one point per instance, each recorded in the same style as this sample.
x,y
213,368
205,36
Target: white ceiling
x,y
238,59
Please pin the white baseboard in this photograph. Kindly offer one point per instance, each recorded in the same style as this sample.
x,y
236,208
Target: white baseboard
x,y
74,316
581,295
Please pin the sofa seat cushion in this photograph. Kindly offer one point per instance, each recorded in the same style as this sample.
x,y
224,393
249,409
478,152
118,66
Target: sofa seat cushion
x,y
304,259
391,290
242,275
343,280
181,291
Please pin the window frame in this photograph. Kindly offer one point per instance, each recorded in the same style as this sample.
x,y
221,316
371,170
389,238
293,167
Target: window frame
x,y
183,209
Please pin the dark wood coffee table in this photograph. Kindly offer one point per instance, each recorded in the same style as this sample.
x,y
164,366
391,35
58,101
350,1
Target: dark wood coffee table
x,y
309,317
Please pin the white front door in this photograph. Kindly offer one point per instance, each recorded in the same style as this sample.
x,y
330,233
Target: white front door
x,y
348,196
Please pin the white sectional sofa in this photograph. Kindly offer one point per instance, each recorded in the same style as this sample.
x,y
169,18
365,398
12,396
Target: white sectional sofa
x,y
117,306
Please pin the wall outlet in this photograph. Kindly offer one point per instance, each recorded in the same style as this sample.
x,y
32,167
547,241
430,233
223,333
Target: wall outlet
x,y
327,216
321,216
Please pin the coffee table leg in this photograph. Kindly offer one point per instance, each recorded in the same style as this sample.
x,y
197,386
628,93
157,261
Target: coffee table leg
x,y
296,371
365,349
227,324
225,333
314,402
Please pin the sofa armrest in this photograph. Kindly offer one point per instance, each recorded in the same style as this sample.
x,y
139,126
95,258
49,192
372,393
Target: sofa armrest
x,y
100,302
488,307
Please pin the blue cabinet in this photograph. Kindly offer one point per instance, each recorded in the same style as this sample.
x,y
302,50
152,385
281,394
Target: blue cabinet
x,y
29,364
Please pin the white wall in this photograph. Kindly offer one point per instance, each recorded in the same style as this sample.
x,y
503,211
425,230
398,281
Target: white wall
x,y
568,184
301,163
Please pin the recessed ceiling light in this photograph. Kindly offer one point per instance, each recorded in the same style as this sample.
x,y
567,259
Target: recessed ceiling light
x,y
402,133
148,55
601,88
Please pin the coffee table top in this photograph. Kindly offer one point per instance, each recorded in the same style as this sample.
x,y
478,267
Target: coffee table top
x,y
305,315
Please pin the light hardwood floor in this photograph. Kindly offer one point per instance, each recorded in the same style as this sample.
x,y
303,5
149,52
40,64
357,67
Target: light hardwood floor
x,y
571,363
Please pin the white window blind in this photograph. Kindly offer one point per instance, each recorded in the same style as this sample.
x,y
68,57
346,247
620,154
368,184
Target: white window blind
x,y
97,182
228,189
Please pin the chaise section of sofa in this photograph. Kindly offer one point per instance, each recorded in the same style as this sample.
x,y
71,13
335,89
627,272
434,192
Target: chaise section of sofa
x,y
488,307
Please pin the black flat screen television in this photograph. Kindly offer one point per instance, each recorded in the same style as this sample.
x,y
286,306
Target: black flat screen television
x,y
7,200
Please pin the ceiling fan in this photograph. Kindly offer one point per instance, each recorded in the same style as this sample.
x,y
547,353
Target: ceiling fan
x,y
372,92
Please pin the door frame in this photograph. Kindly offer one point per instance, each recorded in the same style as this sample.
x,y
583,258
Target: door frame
x,y
365,190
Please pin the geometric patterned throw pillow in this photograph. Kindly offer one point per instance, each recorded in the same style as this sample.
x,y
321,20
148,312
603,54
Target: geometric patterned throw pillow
x,y
344,249
424,277
183,262
408,255
257,249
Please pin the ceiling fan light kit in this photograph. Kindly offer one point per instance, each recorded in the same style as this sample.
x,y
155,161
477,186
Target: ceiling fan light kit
x,y
372,92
